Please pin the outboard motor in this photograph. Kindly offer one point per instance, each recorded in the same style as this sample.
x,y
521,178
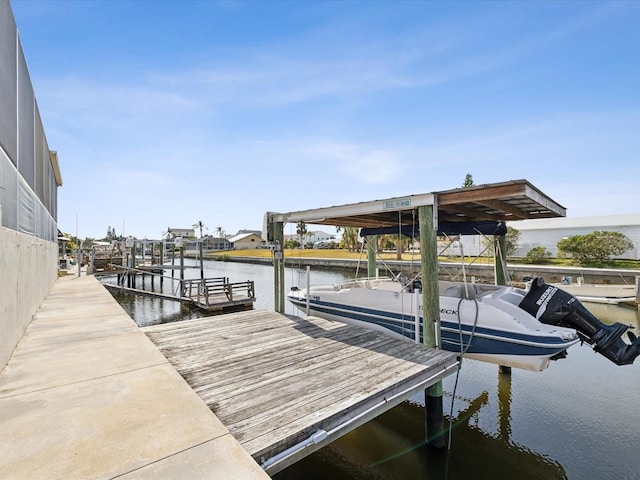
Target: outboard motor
x,y
553,306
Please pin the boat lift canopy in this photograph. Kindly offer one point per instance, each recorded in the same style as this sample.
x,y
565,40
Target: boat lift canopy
x,y
495,203
506,201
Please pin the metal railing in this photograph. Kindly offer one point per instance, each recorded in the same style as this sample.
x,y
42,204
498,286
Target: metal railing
x,y
206,291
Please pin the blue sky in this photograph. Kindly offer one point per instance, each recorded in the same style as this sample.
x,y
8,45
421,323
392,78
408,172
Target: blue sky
x,y
164,113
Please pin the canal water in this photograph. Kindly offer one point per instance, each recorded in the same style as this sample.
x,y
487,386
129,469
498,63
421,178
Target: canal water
x,y
579,419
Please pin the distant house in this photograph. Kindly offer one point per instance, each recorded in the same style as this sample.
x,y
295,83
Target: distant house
x,y
183,232
216,243
245,241
312,237
257,232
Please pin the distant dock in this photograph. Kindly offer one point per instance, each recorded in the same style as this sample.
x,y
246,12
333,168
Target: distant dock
x,y
212,294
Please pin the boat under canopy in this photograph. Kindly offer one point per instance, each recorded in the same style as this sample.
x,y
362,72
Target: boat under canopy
x,y
498,324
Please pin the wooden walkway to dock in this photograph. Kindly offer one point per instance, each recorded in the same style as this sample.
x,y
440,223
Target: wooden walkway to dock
x,y
285,386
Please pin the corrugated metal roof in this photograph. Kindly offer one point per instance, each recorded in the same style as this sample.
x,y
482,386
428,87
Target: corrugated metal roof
x,y
506,201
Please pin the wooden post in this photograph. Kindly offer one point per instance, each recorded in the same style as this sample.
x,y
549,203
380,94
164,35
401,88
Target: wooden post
x,y
133,255
372,248
92,265
638,292
499,271
431,319
200,248
278,270
133,265
181,264
500,259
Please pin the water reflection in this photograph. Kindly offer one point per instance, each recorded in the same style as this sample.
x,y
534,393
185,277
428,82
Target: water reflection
x,y
393,447
504,404
626,314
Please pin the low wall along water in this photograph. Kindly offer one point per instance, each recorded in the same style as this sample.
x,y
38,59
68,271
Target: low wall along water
x,y
28,270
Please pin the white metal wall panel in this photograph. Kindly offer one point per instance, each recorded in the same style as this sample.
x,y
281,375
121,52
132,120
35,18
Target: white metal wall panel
x,y
28,192
26,209
25,121
41,159
8,82
8,192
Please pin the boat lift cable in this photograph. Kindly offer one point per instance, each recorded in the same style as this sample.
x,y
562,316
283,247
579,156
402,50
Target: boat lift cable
x,y
450,433
360,258
463,351
379,257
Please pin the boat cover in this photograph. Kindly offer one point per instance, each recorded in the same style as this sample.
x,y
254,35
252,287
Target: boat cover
x,y
489,227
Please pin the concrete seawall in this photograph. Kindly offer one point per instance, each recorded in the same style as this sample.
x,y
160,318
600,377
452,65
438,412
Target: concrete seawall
x,y
28,269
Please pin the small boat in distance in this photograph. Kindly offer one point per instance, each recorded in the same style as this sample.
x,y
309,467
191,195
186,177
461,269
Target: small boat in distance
x,y
505,325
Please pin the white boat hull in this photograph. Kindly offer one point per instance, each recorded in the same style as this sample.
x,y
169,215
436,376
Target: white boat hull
x,y
488,327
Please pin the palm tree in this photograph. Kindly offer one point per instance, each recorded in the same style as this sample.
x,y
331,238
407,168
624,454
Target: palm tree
x,y
199,225
301,231
219,231
349,237
168,233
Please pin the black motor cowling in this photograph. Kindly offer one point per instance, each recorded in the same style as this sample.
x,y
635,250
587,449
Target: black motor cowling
x,y
554,306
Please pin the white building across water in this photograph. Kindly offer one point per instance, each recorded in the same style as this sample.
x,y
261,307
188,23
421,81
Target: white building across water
x,y
547,232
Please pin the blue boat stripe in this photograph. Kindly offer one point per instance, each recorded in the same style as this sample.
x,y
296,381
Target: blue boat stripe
x,y
485,340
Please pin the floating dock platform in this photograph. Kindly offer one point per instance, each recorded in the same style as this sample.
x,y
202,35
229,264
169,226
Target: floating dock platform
x,y
285,386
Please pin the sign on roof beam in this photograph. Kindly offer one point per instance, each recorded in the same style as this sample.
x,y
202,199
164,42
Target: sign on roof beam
x,y
356,209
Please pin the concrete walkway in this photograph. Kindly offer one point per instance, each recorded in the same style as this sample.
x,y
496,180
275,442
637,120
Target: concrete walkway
x,y
87,395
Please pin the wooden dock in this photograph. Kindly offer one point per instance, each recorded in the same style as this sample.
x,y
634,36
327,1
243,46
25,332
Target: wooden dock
x,y
211,294
285,386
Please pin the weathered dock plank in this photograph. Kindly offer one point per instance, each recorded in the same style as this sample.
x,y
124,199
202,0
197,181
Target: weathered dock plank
x,y
277,380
